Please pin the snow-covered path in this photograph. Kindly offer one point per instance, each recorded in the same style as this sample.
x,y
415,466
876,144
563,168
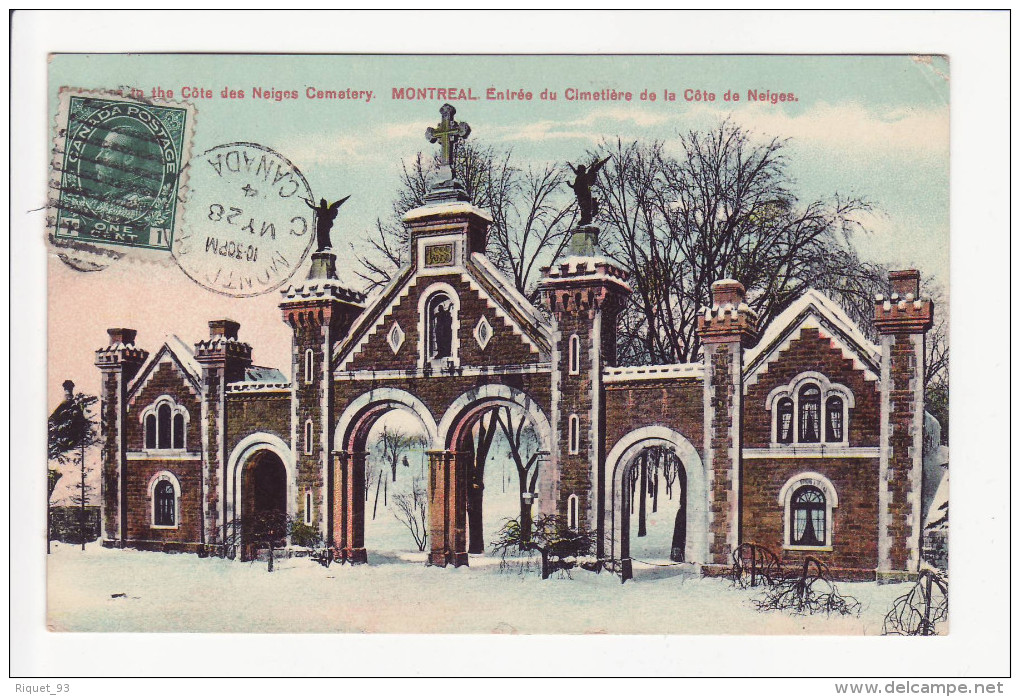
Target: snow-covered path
x,y
182,593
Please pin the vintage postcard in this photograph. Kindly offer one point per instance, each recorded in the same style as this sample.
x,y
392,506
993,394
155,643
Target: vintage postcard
x,y
498,344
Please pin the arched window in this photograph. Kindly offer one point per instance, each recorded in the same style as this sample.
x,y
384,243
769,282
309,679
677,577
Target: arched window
x,y
166,505
308,437
150,431
784,420
574,434
810,398
574,358
178,431
440,316
807,517
572,511
163,427
798,414
834,420
165,499
309,367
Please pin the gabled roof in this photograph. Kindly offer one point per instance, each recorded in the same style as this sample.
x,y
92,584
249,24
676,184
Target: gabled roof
x,y
376,307
812,310
180,353
483,277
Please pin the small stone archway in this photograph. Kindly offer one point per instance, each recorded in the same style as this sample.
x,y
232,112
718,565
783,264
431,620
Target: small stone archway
x,y
260,472
449,465
619,462
350,446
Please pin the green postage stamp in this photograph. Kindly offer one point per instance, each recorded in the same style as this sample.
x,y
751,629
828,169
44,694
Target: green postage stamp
x,y
117,169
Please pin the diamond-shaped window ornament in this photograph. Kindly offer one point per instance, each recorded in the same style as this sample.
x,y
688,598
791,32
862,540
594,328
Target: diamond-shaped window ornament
x,y
483,332
395,337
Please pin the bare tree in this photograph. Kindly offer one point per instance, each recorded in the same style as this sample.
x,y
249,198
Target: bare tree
x,y
522,442
411,511
394,444
530,207
478,442
724,207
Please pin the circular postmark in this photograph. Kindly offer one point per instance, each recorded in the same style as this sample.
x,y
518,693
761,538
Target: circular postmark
x,y
247,225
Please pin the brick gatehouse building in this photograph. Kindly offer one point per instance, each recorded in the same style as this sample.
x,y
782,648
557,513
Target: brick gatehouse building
x,y
803,436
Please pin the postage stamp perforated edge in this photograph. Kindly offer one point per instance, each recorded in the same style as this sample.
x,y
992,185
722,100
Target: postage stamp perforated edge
x,y
94,255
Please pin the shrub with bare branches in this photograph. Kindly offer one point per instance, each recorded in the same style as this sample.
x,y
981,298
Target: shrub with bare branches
x,y
755,565
809,592
920,611
411,510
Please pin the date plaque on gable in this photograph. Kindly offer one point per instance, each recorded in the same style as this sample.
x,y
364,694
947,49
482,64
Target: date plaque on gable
x,y
439,255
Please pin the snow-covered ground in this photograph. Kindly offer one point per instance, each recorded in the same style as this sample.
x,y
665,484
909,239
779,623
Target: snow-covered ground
x,y
398,593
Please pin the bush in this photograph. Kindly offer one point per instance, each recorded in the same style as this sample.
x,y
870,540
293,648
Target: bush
x,y
559,546
302,535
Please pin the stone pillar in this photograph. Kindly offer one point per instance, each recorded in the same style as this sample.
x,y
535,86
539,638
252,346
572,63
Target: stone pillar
x,y
725,329
319,313
447,509
349,507
224,359
118,362
584,293
902,320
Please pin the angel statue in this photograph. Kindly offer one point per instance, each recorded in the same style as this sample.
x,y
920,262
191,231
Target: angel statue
x,y
583,181
325,214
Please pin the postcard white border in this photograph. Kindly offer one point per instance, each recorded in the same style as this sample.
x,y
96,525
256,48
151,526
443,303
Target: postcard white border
x,y
977,44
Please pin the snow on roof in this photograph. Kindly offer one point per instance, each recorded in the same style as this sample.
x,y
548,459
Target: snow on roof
x,y
258,373
507,289
813,302
183,354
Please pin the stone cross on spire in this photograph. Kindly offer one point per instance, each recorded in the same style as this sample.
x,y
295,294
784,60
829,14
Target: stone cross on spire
x,y
448,133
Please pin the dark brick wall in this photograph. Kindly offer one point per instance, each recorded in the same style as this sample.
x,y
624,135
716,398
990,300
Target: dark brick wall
x,y
504,348
723,398
676,404
111,429
251,412
139,505
166,379
812,352
855,521
902,370
575,475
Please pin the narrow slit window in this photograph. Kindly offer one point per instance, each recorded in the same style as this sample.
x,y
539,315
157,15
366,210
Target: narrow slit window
x,y
574,434
575,354
309,367
308,437
572,511
308,508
